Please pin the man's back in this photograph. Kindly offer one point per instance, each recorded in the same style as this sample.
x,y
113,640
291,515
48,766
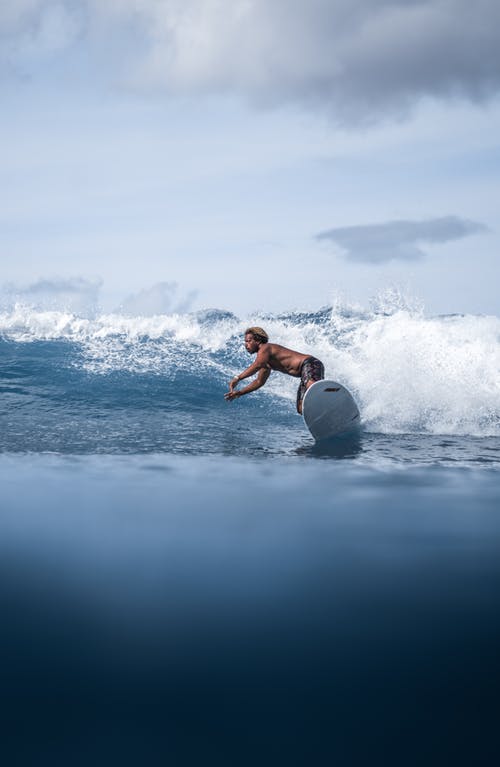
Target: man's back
x,y
282,359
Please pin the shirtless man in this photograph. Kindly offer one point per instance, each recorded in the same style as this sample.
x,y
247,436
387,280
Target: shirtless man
x,y
275,357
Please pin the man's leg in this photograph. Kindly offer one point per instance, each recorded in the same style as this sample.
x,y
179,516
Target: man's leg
x,y
305,388
315,371
300,394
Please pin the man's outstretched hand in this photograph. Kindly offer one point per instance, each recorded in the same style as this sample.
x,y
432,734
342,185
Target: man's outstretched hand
x,y
232,393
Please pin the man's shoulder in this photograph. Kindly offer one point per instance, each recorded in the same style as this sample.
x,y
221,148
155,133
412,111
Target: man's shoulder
x,y
277,349
270,349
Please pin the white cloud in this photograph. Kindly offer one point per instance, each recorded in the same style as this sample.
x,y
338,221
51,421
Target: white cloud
x,y
161,298
31,30
360,60
77,295
398,240
14,14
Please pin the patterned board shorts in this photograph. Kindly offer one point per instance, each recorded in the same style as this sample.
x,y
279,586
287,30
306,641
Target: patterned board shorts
x,y
311,369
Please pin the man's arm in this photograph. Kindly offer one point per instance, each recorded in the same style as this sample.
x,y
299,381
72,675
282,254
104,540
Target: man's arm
x,y
261,362
261,379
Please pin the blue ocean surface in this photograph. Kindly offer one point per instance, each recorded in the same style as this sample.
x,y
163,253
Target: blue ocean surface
x,y
190,581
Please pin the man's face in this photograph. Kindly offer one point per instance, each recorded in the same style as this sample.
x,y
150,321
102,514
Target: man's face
x,y
251,344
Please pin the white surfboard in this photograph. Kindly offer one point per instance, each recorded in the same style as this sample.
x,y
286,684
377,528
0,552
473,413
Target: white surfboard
x,y
329,409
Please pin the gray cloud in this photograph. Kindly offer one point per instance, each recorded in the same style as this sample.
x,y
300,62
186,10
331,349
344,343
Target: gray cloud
x,y
360,60
398,240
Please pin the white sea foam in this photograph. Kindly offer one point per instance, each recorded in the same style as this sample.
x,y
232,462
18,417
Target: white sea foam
x,y
26,324
409,372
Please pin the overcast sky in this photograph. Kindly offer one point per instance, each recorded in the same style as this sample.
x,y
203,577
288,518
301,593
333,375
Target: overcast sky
x,y
250,154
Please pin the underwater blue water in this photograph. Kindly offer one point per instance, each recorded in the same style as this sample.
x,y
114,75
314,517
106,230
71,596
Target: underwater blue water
x,y
185,580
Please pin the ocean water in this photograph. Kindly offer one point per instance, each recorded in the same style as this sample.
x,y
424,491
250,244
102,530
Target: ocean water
x,y
190,581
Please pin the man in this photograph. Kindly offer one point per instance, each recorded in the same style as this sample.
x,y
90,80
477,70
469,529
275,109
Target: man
x,y
275,357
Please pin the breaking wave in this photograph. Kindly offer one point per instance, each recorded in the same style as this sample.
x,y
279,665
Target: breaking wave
x,y
409,373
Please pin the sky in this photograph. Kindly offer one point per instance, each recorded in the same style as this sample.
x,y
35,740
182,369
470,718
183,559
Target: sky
x,y
168,155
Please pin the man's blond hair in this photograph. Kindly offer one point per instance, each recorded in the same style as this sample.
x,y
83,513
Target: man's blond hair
x,y
258,333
